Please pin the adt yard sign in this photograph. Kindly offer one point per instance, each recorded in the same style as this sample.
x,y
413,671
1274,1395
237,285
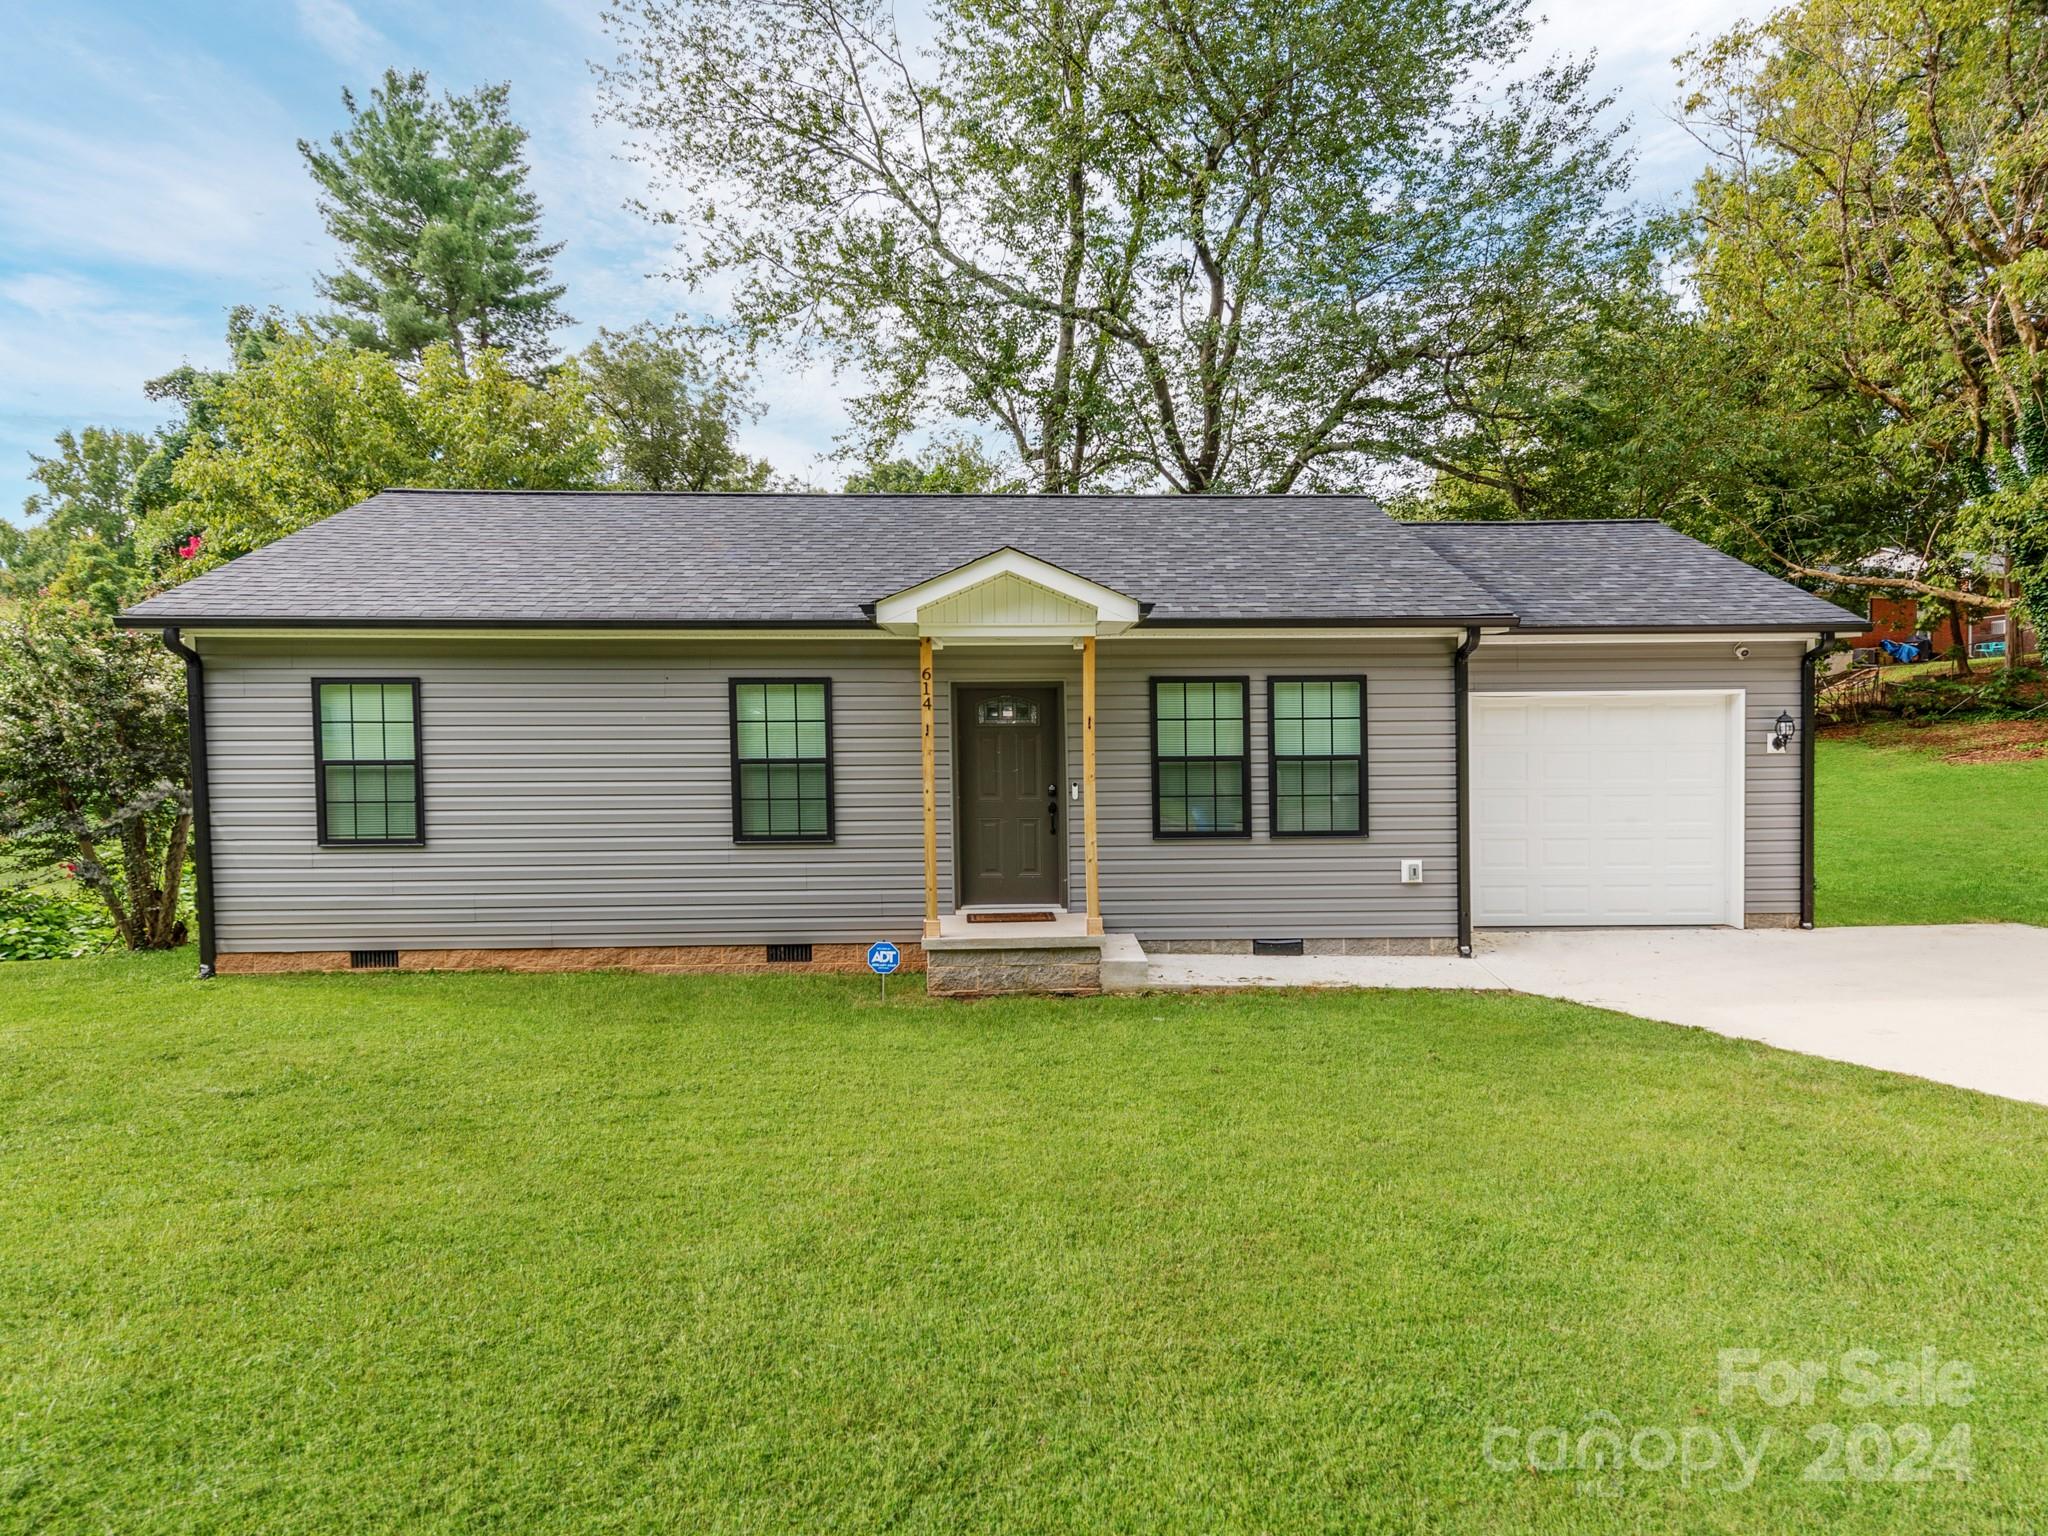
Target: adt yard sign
x,y
884,959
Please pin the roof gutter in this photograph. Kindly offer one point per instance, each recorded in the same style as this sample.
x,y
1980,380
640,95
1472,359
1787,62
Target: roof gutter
x,y
140,620
1461,689
202,817
1807,698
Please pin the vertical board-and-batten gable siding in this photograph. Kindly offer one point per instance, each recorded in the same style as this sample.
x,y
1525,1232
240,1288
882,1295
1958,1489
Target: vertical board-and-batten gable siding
x,y
579,793
1770,681
1008,599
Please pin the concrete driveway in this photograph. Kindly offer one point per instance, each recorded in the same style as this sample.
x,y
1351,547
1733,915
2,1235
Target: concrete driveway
x,y
1966,1004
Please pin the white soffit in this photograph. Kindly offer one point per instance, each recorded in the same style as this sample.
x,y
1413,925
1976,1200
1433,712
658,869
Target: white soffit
x,y
1007,596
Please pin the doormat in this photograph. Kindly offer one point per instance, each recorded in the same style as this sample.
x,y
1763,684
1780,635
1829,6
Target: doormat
x,y
1010,917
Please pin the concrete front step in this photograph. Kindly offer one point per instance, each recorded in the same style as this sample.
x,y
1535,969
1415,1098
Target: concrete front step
x,y
1125,966
1056,957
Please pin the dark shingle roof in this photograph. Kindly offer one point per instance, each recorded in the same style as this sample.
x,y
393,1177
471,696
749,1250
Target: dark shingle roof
x,y
1633,574
491,558
620,558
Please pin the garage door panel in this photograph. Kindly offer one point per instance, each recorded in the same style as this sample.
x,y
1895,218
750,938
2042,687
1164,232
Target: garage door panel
x,y
1564,810
1557,902
1613,810
1620,855
1630,811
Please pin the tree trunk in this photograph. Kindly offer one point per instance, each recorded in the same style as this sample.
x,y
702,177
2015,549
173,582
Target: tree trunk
x,y
2013,647
1958,626
163,923
96,873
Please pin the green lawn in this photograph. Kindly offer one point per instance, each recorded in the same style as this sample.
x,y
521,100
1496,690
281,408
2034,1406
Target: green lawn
x,y
1905,837
619,1253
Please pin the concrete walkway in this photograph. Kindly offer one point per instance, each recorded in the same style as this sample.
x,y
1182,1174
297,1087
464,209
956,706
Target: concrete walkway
x,y
1966,1004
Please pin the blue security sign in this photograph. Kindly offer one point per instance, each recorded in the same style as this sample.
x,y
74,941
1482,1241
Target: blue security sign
x,y
884,958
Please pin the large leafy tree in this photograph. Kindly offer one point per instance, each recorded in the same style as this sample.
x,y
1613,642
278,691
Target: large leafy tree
x,y
1642,406
950,465
80,537
1877,226
1206,243
93,763
439,233
673,413
313,427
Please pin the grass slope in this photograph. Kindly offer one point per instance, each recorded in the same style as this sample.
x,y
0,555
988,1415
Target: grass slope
x,y
620,1253
1904,837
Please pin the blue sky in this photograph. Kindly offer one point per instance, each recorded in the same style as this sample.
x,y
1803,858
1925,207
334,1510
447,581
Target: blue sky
x,y
149,180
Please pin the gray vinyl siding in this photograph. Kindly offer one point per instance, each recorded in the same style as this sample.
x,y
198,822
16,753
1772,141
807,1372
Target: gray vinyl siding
x,y
1294,887
1770,682
578,793
1193,888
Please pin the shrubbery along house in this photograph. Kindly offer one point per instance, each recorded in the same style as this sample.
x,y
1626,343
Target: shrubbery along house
x,y
1027,738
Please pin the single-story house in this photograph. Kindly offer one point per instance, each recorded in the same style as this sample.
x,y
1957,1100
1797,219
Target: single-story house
x,y
1012,734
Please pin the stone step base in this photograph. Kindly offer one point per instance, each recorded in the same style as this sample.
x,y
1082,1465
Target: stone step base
x,y
1062,959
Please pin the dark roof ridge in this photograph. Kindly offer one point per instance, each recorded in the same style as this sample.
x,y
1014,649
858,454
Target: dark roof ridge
x,y
1065,496
1532,522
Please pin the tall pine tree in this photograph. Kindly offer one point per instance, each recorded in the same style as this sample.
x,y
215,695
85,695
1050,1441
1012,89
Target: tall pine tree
x,y
440,236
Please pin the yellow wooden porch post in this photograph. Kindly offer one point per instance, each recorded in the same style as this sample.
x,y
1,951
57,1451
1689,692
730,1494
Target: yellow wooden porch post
x,y
1094,882
927,748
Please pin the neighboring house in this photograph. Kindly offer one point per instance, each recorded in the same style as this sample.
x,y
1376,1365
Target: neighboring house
x,y
562,730
1898,618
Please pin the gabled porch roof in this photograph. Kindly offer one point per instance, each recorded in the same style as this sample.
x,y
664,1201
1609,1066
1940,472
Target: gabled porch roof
x,y
1007,597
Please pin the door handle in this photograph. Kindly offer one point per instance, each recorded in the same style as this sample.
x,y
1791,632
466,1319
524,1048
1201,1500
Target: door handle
x,y
1052,809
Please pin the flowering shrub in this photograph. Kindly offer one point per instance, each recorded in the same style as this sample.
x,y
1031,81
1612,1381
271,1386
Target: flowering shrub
x,y
92,765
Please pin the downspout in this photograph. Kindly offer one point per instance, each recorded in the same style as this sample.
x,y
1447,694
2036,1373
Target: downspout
x,y
1807,665
202,823
1461,689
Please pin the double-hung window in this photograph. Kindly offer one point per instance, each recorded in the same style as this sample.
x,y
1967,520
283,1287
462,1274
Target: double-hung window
x,y
1201,779
366,761
1317,737
781,760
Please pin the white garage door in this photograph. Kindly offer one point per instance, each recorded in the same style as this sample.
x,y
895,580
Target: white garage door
x,y
1606,809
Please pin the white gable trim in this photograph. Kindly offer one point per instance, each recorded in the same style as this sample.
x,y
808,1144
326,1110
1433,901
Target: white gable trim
x,y
1007,596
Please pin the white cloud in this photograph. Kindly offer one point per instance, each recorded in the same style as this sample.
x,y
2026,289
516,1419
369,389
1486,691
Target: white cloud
x,y
211,204
49,295
342,34
1636,43
66,338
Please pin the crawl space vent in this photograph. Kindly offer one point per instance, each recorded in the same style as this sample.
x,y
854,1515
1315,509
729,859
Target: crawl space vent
x,y
1276,946
373,959
789,954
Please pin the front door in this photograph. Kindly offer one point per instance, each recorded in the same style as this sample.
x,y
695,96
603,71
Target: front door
x,y
1011,811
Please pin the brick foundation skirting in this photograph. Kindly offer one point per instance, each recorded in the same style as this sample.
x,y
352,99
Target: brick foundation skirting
x,y
740,959
1770,919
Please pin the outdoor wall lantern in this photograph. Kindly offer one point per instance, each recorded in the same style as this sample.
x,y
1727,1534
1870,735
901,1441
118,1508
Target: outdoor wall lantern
x,y
1782,732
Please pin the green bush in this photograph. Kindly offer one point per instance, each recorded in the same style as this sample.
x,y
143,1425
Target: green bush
x,y
1992,693
52,925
